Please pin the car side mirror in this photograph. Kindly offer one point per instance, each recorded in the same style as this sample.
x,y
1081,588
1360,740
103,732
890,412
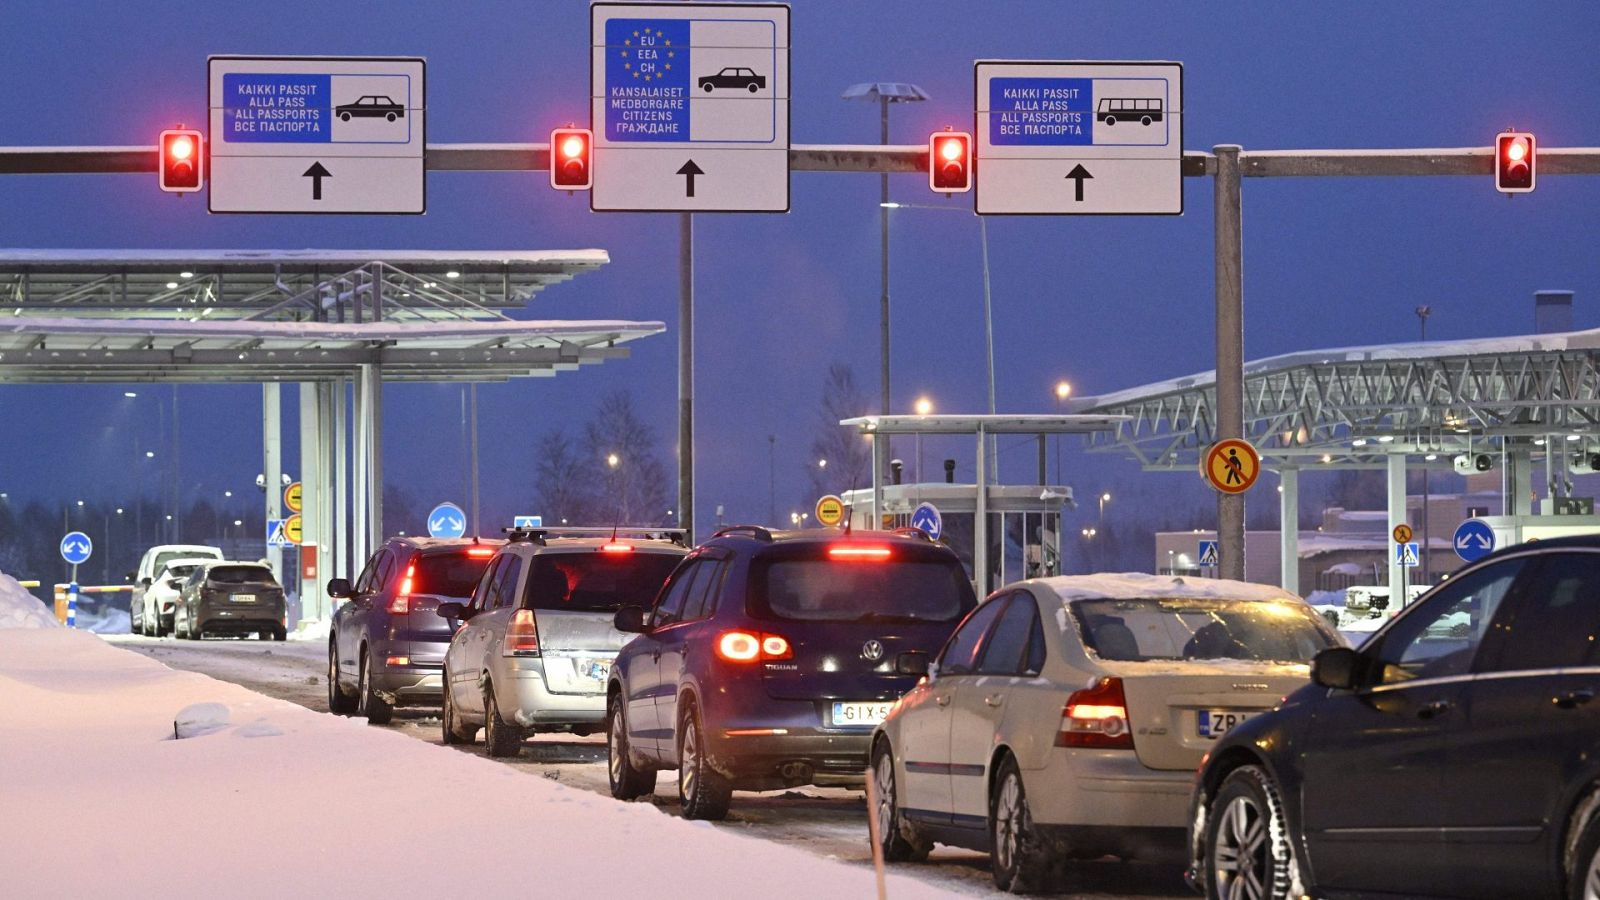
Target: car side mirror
x,y
911,664
339,587
629,620
1337,668
452,610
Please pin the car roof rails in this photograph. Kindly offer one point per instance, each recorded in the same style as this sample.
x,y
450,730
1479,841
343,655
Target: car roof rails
x,y
908,531
755,531
524,535
679,536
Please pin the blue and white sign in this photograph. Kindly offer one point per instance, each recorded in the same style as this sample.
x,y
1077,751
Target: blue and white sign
x,y
1407,554
1473,540
527,521
926,519
76,547
1071,138
276,536
317,134
1208,553
690,105
447,521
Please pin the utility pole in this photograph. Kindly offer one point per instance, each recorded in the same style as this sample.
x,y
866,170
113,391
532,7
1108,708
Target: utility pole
x,y
1423,312
1229,240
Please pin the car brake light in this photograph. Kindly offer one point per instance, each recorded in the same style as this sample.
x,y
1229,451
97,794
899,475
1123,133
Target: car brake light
x,y
522,635
480,552
616,548
1096,717
401,604
742,646
858,551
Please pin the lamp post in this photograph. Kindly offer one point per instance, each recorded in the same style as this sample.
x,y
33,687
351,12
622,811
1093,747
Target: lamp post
x,y
1063,391
923,407
885,93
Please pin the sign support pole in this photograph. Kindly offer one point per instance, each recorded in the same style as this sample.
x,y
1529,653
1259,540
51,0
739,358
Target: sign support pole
x,y
1397,515
1289,529
881,450
686,374
272,465
1230,347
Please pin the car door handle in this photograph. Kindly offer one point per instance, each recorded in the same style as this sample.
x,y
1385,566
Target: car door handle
x,y
942,699
994,700
1574,699
1435,709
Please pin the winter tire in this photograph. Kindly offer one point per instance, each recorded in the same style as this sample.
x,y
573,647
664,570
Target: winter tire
x,y
501,738
704,793
628,782
368,703
1019,856
896,837
339,703
1247,854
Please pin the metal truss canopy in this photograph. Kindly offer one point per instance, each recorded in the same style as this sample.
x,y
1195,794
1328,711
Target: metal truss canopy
x,y
1352,407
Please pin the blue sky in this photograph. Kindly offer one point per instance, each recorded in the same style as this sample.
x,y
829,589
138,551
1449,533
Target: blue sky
x,y
1105,303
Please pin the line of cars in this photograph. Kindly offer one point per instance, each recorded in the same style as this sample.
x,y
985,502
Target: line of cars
x,y
189,590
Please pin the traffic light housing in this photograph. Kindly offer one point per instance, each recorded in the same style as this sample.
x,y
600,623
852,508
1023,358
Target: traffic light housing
x,y
950,162
183,160
572,159
1514,162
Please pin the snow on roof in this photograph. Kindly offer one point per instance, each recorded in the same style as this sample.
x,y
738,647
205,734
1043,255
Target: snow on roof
x,y
18,257
554,329
1139,586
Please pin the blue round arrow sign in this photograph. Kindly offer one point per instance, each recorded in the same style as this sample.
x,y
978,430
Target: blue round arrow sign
x,y
926,519
1473,540
76,547
447,521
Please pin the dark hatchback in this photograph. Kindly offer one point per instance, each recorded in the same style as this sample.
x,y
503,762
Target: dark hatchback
x,y
387,642
1456,754
230,598
769,656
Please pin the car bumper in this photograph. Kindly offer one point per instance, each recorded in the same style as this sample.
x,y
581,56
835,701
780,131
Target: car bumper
x,y
526,699
784,743
232,620
1107,788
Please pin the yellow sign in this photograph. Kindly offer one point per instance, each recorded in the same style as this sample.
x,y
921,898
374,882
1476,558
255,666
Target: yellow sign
x,y
830,511
291,528
1402,533
1232,466
294,498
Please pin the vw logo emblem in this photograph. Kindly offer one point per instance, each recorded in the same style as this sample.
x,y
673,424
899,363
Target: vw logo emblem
x,y
872,650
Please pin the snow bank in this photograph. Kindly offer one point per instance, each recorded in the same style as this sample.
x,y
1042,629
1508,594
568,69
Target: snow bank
x,y
314,630
266,799
20,609
105,620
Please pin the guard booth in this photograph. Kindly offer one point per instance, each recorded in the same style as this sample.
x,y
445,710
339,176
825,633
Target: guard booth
x,y
1002,533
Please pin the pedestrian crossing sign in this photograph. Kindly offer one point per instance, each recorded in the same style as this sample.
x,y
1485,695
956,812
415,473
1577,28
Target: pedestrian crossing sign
x,y
1208,553
1407,554
275,534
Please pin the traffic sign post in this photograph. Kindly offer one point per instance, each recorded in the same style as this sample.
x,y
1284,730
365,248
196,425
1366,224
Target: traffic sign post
x,y
830,510
1231,466
926,518
690,107
1408,555
527,521
1079,138
1208,555
277,536
317,134
292,529
1402,533
447,521
294,497
1473,540
76,549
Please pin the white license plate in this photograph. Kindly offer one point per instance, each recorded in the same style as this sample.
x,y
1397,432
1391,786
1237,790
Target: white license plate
x,y
243,598
1216,722
860,713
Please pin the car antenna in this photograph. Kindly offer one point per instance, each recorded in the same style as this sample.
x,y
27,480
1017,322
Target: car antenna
x,y
848,518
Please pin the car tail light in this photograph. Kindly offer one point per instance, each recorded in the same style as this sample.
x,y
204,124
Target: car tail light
x,y
398,661
1097,717
401,604
522,635
859,551
480,552
744,646
616,548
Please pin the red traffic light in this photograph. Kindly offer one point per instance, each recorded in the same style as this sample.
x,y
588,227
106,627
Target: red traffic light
x,y
182,160
1514,162
571,159
950,162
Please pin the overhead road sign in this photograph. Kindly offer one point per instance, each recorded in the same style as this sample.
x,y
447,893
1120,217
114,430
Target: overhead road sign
x,y
926,518
1473,540
1231,466
447,521
317,134
690,106
76,547
1079,138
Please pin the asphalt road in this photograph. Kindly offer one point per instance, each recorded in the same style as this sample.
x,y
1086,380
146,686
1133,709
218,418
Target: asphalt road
x,y
828,822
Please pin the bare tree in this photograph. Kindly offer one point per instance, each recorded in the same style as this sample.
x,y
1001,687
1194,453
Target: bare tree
x,y
562,482
634,492
849,455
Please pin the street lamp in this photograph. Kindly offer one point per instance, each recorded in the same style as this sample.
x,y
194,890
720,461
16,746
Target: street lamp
x,y
1104,499
885,93
1063,391
923,406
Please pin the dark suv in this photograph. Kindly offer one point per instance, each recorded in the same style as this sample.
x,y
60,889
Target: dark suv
x,y
386,644
1456,754
236,598
769,656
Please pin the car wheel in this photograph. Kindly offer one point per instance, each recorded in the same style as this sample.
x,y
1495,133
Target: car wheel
x,y
368,703
1019,856
628,782
501,738
1583,882
896,837
344,117
339,703
280,634
454,731
704,792
264,634
1247,853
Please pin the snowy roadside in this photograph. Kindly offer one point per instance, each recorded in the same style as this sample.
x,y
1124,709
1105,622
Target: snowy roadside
x,y
268,799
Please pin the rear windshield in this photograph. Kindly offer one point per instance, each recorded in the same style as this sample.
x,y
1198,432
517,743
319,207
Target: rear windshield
x,y
1142,630
449,574
596,581
240,575
895,590
161,558
181,571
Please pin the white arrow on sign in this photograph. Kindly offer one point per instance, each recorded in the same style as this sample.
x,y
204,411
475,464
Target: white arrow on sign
x,y
443,522
1465,542
77,547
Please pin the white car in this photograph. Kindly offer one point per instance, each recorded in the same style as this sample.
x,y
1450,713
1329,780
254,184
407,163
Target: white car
x,y
1066,717
154,608
150,566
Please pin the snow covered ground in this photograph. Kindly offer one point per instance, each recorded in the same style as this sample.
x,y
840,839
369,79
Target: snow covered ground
x,y
264,798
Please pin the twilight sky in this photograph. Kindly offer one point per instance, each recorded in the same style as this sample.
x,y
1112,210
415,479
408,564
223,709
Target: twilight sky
x,y
1107,303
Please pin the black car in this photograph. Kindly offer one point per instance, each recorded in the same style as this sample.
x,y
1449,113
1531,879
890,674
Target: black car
x,y
769,656
734,78
231,598
1456,754
371,106
387,642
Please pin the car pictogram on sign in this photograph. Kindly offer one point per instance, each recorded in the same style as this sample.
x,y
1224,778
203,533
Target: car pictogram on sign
x,y
371,106
733,78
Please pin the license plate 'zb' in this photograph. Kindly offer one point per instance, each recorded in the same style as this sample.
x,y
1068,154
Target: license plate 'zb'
x,y
1216,722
